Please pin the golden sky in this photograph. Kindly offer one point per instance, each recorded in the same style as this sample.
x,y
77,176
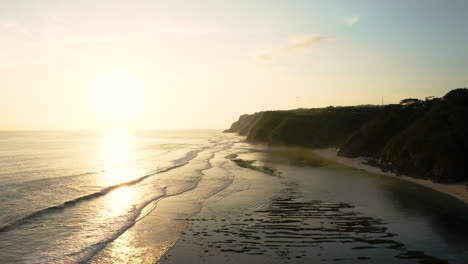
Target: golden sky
x,y
200,64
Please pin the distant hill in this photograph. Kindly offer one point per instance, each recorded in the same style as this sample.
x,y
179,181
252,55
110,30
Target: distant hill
x,y
422,138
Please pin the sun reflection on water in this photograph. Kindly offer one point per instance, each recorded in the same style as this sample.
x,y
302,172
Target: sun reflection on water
x,y
121,199
118,153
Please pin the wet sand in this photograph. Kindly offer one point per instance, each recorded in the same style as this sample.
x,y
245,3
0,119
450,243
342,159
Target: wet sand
x,y
263,217
459,191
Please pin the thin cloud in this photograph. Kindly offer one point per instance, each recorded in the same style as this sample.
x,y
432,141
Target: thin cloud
x,y
8,24
293,44
303,42
350,21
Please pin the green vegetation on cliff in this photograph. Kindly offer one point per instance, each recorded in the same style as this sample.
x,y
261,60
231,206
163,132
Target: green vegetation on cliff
x,y
322,127
370,139
244,124
435,145
422,138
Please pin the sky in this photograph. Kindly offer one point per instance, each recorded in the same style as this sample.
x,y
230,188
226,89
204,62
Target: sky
x,y
200,64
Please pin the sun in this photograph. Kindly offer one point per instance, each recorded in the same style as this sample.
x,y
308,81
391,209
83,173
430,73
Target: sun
x,y
118,95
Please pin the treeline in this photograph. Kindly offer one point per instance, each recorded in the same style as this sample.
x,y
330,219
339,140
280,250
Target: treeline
x,y
421,138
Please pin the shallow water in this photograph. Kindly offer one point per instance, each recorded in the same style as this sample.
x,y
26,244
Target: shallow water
x,y
66,195
324,212
122,197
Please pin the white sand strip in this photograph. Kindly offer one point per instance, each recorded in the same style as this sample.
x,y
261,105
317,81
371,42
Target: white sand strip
x,y
459,190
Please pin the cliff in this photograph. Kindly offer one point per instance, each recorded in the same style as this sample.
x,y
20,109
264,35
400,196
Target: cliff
x,y
244,124
319,127
434,145
422,138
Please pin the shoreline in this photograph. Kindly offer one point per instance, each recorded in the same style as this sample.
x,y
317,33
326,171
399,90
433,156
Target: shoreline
x,y
458,190
261,218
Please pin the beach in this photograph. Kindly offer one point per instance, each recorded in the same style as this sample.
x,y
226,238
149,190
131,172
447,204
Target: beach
x,y
457,190
276,210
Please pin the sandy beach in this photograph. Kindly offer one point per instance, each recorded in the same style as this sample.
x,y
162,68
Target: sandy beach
x,y
459,191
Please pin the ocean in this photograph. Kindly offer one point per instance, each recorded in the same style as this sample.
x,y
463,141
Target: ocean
x,y
208,197
65,195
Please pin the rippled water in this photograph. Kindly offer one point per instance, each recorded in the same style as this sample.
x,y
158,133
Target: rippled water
x,y
127,197
65,195
311,211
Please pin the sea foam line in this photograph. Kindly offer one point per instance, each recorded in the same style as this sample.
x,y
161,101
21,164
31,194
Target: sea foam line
x,y
144,210
182,162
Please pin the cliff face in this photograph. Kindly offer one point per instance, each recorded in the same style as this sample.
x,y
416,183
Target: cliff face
x,y
320,127
434,145
370,139
244,124
424,138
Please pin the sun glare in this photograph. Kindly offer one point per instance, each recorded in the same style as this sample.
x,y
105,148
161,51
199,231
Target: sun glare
x,y
118,95
118,152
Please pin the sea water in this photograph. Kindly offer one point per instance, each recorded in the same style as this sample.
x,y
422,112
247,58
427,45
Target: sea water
x,y
127,197
66,195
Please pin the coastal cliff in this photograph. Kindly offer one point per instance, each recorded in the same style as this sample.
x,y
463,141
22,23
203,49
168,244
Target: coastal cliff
x,y
423,138
244,124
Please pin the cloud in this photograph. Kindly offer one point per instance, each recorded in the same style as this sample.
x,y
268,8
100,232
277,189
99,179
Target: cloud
x,y
13,34
351,20
302,42
293,44
7,24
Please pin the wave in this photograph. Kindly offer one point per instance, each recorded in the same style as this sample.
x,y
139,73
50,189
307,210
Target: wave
x,y
86,173
90,251
23,220
150,205
52,178
84,254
